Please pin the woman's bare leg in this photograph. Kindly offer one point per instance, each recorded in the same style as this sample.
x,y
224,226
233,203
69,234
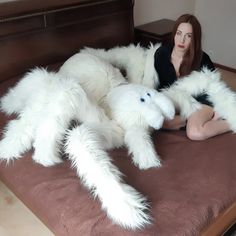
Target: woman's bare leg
x,y
205,123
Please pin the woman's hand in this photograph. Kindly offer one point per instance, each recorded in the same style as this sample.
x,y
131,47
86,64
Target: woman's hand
x,y
175,124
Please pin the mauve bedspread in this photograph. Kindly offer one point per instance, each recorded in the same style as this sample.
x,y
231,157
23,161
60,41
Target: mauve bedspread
x,y
195,184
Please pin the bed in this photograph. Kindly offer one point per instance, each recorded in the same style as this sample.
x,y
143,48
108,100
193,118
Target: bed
x,y
191,194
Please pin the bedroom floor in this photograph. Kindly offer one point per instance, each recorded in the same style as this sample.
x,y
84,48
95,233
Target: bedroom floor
x,y
17,219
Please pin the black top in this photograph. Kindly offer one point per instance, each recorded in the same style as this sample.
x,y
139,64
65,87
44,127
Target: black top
x,y
166,71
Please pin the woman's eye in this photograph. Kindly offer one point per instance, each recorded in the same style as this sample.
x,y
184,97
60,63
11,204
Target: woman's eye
x,y
142,99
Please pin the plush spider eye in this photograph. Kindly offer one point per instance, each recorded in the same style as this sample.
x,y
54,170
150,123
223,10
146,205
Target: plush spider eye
x,y
142,99
149,94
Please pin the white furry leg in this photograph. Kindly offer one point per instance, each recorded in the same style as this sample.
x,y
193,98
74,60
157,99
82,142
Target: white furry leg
x,y
48,136
226,107
17,139
23,92
109,134
14,101
141,148
123,204
182,100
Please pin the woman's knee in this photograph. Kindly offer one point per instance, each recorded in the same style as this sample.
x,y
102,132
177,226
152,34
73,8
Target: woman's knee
x,y
195,133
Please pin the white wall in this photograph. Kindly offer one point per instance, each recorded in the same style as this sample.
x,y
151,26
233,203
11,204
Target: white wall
x,y
217,17
151,10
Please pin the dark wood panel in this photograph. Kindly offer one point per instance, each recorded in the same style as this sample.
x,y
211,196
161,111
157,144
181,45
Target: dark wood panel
x,y
86,11
156,32
15,8
65,36
225,67
44,47
21,25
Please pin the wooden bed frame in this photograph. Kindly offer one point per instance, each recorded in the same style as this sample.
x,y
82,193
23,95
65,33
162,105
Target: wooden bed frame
x,y
191,194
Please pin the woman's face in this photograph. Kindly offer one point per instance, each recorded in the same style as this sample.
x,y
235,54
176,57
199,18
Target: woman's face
x,y
183,36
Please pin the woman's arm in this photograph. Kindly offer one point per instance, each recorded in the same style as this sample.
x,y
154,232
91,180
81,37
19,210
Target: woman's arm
x,y
174,124
207,62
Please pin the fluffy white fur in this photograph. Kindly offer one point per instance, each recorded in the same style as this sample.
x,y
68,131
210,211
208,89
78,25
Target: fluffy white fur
x,y
94,74
110,113
123,102
45,103
137,108
136,61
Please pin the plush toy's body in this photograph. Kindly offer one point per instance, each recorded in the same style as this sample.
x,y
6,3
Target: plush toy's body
x,y
95,75
128,104
138,62
109,113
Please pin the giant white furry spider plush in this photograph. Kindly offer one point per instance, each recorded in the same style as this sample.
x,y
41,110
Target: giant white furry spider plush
x,y
109,113
138,62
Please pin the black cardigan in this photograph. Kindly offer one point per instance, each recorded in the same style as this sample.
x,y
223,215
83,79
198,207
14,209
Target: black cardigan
x,y
166,71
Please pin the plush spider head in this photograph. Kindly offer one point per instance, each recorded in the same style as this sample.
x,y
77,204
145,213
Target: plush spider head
x,y
133,104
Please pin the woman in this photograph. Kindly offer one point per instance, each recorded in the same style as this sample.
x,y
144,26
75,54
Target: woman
x,y
178,59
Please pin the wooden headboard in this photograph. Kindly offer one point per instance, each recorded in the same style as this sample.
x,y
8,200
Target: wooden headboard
x,y
45,32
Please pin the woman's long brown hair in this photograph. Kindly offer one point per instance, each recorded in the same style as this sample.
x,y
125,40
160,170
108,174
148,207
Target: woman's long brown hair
x,y
193,56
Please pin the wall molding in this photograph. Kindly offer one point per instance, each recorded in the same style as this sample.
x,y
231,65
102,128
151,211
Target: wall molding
x,y
225,67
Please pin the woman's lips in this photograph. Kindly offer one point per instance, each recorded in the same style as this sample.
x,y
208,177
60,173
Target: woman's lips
x,y
181,46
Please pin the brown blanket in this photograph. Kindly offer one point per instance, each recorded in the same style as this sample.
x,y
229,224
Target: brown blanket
x,y
195,184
